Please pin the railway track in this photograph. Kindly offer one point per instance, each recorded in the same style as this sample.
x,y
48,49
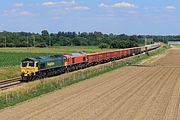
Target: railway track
x,y
5,84
157,66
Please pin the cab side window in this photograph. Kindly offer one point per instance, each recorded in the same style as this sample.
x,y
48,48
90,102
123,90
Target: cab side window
x,y
84,59
42,66
36,64
73,60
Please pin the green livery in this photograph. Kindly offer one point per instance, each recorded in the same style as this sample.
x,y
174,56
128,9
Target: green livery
x,y
31,68
45,63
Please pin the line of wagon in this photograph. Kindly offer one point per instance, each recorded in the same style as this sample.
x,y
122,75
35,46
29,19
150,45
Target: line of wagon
x,y
41,67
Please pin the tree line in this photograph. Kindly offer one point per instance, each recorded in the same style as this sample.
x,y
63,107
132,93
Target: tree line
x,y
44,39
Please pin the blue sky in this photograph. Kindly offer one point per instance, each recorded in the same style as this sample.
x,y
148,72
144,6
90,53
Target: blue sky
x,y
155,17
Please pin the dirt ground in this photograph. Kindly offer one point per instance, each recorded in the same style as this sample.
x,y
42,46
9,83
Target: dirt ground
x,y
131,93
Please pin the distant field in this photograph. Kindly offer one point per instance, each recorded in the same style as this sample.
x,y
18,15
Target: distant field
x,y
60,50
13,58
177,46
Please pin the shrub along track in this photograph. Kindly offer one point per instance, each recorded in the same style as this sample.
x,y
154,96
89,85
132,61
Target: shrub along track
x,y
136,92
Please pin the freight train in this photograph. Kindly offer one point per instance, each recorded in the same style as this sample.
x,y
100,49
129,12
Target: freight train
x,y
41,67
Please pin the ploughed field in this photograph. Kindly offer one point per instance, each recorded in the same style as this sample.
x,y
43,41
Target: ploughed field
x,y
138,92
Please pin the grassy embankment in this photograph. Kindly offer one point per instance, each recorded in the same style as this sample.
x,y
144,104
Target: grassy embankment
x,y
41,87
10,58
177,46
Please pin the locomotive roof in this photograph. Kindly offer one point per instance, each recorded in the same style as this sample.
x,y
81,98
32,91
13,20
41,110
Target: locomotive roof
x,y
44,58
75,54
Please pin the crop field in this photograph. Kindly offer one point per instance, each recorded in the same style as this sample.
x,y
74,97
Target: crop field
x,y
56,50
177,46
143,92
9,72
13,58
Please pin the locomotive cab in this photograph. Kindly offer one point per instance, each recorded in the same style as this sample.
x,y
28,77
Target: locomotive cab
x,y
28,69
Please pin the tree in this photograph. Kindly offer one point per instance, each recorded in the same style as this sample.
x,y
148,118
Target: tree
x,y
103,45
45,33
41,45
76,42
134,38
114,44
19,39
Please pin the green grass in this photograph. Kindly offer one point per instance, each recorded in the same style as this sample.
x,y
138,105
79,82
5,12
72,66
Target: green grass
x,y
177,46
57,50
9,72
12,58
13,97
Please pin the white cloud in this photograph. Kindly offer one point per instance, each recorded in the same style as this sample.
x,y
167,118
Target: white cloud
x,y
67,5
118,5
25,13
104,5
62,3
169,7
17,12
124,5
78,8
49,3
18,4
56,18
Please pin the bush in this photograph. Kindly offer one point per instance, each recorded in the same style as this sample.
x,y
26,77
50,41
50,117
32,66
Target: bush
x,y
1,44
10,45
41,45
123,44
103,45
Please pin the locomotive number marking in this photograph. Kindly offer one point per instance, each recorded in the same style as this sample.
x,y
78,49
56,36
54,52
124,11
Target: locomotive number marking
x,y
50,63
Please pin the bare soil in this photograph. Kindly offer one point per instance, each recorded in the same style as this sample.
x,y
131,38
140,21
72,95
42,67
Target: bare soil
x,y
130,93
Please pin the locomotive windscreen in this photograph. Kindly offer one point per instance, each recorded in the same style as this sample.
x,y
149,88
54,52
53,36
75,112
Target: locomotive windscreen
x,y
27,63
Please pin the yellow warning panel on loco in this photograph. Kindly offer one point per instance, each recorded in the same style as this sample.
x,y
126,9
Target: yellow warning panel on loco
x,y
50,63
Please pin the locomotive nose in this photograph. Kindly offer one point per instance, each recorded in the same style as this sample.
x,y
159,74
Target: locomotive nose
x,y
28,71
